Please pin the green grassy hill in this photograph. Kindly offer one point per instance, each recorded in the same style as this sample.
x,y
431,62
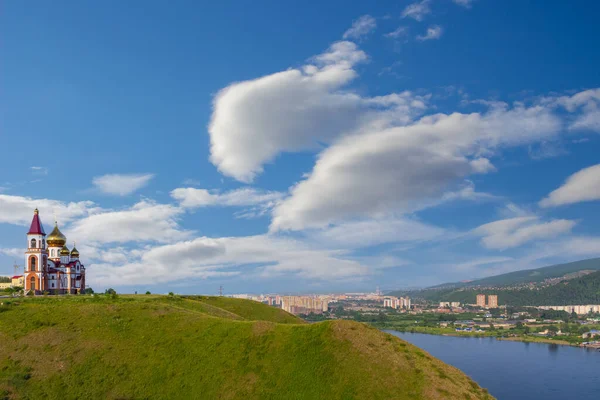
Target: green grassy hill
x,y
154,347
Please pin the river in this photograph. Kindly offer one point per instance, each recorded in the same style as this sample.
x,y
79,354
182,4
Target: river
x,y
516,370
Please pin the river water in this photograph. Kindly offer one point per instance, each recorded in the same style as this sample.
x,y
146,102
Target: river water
x,y
516,370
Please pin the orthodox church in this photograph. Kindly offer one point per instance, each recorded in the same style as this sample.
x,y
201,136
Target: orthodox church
x,y
49,265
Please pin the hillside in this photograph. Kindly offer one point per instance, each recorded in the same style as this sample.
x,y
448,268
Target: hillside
x,y
541,286
154,347
529,275
583,290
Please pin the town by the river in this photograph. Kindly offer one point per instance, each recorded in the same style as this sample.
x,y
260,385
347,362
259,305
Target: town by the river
x,y
516,370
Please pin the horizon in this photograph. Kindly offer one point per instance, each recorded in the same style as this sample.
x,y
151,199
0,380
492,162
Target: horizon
x,y
323,149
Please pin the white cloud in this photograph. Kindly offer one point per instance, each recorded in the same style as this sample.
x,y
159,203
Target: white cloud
x,y
298,109
146,221
13,252
121,184
417,10
478,262
399,32
405,168
207,257
369,232
582,186
582,246
515,232
433,32
192,197
191,182
586,107
546,149
464,3
361,27
39,170
18,210
292,110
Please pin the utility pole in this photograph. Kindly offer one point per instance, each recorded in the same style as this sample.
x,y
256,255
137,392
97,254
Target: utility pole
x,y
16,268
221,290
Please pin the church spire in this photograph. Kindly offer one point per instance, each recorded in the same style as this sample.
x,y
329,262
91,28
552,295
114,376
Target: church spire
x,y
36,227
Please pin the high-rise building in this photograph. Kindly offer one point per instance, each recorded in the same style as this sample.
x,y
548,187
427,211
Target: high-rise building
x,y
493,301
304,304
397,302
481,300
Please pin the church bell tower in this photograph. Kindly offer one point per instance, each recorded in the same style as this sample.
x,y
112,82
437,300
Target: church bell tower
x,y
36,256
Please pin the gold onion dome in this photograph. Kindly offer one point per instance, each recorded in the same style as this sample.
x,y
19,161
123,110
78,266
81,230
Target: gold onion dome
x,y
56,238
64,251
74,252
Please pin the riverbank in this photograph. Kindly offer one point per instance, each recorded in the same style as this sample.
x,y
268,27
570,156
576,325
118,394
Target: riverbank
x,y
484,334
535,339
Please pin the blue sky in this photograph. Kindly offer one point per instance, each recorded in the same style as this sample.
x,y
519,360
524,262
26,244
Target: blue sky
x,y
283,147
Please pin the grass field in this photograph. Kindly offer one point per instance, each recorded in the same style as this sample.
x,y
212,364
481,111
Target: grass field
x,y
159,347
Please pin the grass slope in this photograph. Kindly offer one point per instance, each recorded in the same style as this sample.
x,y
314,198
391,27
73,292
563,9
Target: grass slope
x,y
149,347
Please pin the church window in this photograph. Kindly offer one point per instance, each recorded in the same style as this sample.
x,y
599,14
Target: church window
x,y
52,253
43,243
31,263
32,282
52,284
33,243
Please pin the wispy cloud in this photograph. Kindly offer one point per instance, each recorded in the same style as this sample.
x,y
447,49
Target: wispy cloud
x,y
195,198
433,32
514,232
579,187
399,32
417,11
191,182
121,184
39,170
464,3
361,27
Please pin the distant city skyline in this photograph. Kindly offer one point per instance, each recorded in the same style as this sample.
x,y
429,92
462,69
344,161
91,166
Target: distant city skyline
x,y
267,147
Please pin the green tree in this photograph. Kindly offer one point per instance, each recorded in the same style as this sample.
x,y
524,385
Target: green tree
x,y
110,291
148,292
574,316
382,317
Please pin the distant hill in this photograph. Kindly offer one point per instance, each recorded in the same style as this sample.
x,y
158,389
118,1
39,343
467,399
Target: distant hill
x,y
529,275
158,347
578,291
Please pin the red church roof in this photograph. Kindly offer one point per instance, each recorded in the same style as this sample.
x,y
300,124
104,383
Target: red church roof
x,y
36,225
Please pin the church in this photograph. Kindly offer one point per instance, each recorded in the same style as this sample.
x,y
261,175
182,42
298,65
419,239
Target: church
x,y
49,264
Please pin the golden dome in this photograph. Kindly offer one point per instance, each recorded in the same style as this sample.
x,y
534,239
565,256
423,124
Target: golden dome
x,y
64,251
56,238
74,252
